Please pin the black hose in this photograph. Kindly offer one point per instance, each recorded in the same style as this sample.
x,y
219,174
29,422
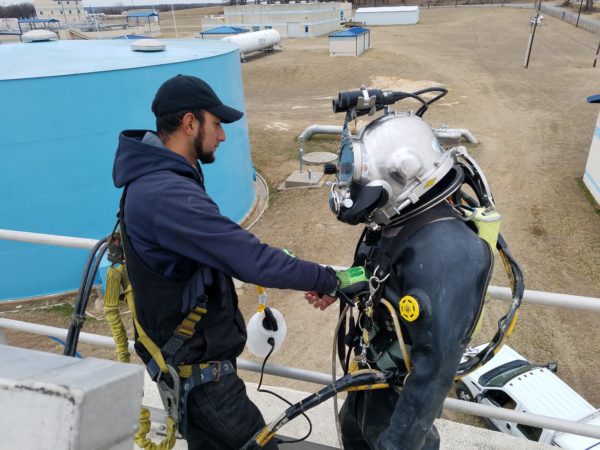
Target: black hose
x,y
342,384
87,280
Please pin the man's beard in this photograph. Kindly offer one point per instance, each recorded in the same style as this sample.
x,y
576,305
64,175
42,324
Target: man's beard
x,y
201,155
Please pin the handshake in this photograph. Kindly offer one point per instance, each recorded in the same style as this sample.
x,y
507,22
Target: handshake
x,y
350,282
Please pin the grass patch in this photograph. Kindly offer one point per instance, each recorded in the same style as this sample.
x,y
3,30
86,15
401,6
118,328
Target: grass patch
x,y
63,309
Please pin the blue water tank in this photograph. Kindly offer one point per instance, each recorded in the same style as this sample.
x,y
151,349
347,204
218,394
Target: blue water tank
x,y
63,106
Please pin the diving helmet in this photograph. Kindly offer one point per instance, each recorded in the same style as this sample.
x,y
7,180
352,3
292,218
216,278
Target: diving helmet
x,y
386,167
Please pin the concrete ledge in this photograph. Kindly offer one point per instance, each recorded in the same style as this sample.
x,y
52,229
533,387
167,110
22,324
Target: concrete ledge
x,y
56,402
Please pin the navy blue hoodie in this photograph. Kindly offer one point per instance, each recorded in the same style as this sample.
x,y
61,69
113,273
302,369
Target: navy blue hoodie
x,y
173,224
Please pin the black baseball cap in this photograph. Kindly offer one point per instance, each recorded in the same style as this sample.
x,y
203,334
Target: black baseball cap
x,y
186,92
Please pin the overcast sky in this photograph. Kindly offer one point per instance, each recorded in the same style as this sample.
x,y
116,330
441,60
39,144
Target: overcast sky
x,y
86,3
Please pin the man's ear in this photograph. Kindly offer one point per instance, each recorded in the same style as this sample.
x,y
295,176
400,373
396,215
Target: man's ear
x,y
188,123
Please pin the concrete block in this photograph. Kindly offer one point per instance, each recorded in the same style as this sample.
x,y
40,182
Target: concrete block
x,y
56,402
303,179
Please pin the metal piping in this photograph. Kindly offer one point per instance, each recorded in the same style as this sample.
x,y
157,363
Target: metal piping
x,y
455,133
47,239
107,341
313,129
497,292
321,378
548,299
535,420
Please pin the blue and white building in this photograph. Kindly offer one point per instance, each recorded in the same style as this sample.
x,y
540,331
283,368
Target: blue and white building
x,y
351,42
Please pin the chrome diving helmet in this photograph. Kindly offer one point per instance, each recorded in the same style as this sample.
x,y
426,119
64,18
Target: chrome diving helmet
x,y
386,167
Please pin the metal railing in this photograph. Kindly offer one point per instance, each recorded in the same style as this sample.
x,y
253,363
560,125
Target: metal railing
x,y
501,293
450,404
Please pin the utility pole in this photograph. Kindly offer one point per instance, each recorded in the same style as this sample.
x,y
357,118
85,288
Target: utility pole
x,y
174,21
534,24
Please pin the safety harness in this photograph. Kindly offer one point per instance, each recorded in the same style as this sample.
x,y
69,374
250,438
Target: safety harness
x,y
174,381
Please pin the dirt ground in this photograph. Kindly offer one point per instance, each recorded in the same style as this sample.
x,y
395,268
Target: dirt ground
x,y
535,129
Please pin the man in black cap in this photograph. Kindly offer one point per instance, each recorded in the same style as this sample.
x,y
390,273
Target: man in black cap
x,y
181,255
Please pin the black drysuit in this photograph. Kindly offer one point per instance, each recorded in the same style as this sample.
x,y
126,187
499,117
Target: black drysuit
x,y
446,267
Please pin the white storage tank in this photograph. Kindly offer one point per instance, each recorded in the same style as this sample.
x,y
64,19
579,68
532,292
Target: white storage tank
x,y
255,41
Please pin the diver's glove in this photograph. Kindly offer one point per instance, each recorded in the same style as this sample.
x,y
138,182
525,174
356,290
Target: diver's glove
x,y
350,282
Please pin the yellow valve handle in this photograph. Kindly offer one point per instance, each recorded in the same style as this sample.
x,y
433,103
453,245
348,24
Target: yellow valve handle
x,y
409,308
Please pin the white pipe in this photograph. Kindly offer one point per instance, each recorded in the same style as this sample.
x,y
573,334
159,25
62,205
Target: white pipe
x,y
106,341
497,292
44,330
455,133
321,378
548,299
535,420
47,239
311,130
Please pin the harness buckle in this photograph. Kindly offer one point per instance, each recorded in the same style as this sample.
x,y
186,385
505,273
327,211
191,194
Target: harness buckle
x,y
216,371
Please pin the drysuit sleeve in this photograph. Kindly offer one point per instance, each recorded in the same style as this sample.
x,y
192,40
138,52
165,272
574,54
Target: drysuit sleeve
x,y
447,271
187,221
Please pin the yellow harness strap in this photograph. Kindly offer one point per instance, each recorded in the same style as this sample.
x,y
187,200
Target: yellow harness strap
x,y
116,279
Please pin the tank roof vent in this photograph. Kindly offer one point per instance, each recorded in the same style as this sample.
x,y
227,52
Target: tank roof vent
x,y
39,36
148,45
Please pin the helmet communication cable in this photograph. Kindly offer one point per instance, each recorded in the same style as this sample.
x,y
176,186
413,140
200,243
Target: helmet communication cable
x,y
271,342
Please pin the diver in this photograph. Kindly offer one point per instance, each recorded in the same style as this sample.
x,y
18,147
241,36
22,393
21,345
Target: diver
x,y
424,252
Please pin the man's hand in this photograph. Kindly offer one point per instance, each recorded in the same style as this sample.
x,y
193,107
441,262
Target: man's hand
x,y
321,302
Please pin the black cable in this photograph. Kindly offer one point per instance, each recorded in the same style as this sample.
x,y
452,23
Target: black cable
x,y
89,273
271,342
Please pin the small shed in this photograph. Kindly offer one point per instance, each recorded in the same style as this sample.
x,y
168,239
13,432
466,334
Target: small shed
x,y
591,176
350,42
150,16
388,15
35,24
222,31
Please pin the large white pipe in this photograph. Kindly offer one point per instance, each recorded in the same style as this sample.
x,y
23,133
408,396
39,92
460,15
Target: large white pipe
x,y
47,239
255,41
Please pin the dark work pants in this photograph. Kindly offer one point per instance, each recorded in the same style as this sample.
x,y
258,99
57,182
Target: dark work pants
x,y
221,416
365,415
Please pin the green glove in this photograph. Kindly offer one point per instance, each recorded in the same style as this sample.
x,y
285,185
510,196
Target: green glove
x,y
351,281
351,276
